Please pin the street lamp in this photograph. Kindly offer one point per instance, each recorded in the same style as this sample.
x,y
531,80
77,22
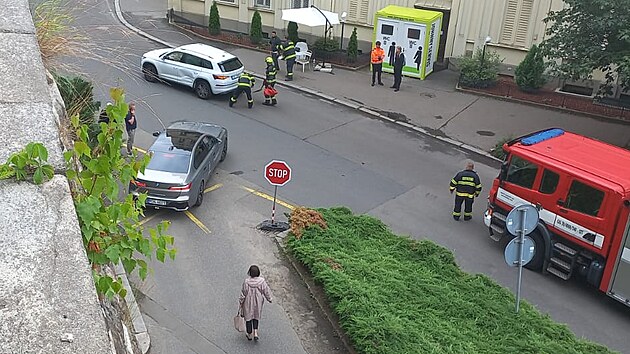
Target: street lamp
x,y
343,24
483,52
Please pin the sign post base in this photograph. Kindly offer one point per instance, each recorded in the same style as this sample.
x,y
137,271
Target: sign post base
x,y
277,226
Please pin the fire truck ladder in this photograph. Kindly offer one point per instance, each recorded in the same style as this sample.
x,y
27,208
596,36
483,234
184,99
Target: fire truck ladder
x,y
562,261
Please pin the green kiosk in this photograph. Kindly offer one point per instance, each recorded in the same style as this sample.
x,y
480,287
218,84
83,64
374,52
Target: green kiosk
x,y
416,31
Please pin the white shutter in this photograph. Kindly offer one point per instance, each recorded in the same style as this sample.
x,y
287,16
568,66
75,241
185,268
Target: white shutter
x,y
509,22
522,26
516,19
363,11
353,10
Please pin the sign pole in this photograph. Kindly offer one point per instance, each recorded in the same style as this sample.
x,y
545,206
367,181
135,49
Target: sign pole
x,y
273,208
521,241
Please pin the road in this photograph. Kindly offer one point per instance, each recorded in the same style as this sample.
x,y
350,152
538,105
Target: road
x,y
338,157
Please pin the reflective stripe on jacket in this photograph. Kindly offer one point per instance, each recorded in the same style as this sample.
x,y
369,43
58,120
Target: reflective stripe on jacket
x,y
270,73
288,50
245,80
377,55
466,184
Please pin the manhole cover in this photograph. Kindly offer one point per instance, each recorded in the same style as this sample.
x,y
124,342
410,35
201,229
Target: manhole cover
x,y
439,117
485,133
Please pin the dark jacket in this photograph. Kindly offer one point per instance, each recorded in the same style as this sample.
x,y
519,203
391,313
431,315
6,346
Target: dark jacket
x,y
246,80
399,62
270,74
288,50
466,184
275,43
131,126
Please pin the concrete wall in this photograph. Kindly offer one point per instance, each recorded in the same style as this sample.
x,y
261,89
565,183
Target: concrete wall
x,y
46,286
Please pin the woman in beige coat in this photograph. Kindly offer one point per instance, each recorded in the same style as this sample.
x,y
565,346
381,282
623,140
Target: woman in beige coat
x,y
253,294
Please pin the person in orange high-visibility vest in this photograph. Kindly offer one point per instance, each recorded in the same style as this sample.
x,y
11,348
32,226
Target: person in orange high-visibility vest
x,y
377,56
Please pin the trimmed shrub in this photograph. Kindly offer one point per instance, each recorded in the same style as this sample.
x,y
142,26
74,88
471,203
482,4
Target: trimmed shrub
x,y
214,20
497,151
353,46
255,30
292,32
475,72
529,73
325,45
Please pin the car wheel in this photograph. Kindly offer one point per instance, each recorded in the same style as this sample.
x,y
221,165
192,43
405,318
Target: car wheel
x,y
150,73
539,253
224,152
199,195
203,90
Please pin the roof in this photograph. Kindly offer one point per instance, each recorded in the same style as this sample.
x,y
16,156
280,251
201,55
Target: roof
x,y
579,155
207,51
182,136
409,14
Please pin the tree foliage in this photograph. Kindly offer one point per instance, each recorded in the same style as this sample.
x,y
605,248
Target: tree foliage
x,y
255,31
353,46
292,32
214,20
588,35
529,73
479,70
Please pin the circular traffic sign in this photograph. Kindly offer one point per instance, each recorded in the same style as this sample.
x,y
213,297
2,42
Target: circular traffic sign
x,y
511,251
515,223
278,173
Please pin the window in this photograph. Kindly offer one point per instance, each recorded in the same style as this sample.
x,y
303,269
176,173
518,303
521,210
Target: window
x,y
549,182
584,198
297,4
201,152
387,30
191,60
262,3
206,64
413,33
174,56
169,162
521,172
515,29
358,10
230,65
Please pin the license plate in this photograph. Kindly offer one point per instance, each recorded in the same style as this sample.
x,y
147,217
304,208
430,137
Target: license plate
x,y
156,202
235,77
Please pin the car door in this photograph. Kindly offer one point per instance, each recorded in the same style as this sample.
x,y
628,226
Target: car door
x,y
201,162
168,66
189,69
215,153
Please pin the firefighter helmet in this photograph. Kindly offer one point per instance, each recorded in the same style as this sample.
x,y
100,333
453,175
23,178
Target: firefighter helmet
x,y
269,60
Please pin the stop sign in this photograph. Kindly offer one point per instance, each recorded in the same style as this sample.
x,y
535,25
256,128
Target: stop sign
x,y
278,173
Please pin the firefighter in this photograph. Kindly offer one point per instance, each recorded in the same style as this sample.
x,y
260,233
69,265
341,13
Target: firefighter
x,y
467,186
270,82
288,54
245,84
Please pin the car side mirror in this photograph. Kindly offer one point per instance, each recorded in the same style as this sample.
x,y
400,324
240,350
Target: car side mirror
x,y
156,134
504,171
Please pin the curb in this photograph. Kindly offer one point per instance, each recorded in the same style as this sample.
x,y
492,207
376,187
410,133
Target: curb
x,y
542,105
139,328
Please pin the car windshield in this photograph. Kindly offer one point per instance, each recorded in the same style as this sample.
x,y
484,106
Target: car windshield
x,y
169,162
230,65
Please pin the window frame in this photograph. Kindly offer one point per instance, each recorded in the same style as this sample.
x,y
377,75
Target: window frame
x,y
264,4
308,4
568,198
542,180
533,181
166,57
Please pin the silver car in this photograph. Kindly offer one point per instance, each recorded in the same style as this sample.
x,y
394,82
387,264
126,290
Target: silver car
x,y
182,160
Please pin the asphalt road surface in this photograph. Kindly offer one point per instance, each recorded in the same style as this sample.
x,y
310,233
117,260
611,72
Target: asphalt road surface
x,y
338,157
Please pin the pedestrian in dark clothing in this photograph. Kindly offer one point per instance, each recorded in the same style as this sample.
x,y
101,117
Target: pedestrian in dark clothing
x,y
467,186
418,57
131,124
288,54
391,52
245,84
399,63
276,43
254,292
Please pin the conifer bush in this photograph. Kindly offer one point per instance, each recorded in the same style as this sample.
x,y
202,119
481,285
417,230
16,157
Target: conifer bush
x,y
353,46
292,32
255,30
214,20
529,73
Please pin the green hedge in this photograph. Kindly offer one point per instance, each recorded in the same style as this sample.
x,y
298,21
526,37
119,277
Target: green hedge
x,y
397,295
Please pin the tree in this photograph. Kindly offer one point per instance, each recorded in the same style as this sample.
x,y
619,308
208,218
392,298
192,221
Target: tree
x,y
255,30
214,20
292,32
353,46
529,73
588,35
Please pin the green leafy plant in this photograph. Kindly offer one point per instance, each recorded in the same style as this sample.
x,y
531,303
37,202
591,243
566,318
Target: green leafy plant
x,y
497,150
214,20
353,46
110,223
325,45
529,73
255,31
78,98
479,70
30,161
292,32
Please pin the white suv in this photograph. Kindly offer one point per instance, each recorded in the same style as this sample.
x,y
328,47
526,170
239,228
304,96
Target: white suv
x,y
208,70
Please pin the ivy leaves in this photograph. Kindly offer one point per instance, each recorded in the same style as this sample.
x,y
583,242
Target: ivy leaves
x,y
31,161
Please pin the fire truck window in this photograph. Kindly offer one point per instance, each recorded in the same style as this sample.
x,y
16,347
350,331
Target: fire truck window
x,y
521,172
584,199
549,182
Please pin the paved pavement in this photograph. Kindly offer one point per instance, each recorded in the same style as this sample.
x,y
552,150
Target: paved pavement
x,y
434,104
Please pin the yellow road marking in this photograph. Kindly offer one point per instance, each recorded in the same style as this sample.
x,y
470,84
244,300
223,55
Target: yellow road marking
x,y
140,149
269,197
197,222
146,220
213,188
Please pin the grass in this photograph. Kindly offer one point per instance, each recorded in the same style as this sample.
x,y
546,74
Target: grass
x,y
397,295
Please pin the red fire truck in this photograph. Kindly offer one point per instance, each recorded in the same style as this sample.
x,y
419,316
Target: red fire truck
x,y
581,188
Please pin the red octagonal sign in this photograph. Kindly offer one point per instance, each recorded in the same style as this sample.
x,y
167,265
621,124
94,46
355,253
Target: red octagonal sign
x,y
278,173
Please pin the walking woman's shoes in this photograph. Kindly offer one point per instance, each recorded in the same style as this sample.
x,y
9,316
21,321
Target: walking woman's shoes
x,y
248,337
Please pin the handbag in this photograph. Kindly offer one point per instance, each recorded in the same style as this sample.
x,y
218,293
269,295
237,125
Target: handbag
x,y
239,321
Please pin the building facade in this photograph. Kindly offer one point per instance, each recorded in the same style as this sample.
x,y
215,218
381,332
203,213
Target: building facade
x,y
512,25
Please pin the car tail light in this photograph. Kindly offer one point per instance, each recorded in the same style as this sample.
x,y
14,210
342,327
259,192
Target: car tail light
x,y
220,77
138,183
181,188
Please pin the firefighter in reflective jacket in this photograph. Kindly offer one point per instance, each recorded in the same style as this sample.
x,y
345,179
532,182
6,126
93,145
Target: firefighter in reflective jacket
x,y
245,84
466,185
288,54
270,82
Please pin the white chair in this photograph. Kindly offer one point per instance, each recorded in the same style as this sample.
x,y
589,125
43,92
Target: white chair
x,y
302,54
